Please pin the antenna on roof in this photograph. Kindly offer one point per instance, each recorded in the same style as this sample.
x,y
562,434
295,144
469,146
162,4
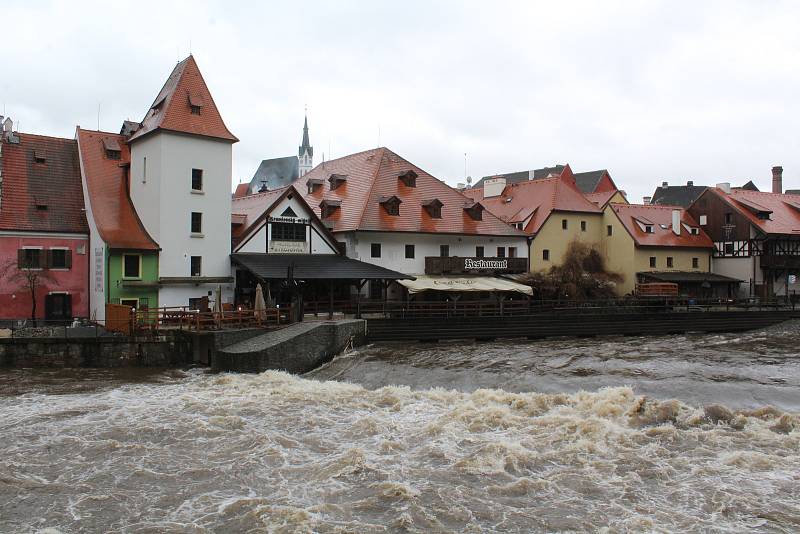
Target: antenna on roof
x,y
465,165
98,115
190,46
379,135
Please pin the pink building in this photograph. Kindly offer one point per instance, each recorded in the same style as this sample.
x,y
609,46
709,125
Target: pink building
x,y
44,235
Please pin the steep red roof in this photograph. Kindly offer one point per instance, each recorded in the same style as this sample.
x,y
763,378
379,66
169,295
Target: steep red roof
x,y
106,183
785,209
533,201
172,108
242,190
658,215
245,210
41,186
366,179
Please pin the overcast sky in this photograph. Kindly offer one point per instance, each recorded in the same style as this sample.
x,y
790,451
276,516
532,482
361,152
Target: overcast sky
x,y
651,91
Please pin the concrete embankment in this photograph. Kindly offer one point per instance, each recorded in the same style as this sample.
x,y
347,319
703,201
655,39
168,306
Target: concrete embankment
x,y
298,348
566,324
106,352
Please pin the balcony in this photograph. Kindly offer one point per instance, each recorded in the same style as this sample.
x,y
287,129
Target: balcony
x,y
458,265
780,261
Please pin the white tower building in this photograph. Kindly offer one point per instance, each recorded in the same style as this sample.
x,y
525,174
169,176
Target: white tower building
x,y
180,184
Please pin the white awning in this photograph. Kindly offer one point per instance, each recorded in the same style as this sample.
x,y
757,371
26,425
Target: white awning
x,y
463,283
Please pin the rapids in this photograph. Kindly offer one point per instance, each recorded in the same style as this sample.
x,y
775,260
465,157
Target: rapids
x,y
655,443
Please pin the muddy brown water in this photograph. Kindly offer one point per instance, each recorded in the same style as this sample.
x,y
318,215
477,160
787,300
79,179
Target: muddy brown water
x,y
609,435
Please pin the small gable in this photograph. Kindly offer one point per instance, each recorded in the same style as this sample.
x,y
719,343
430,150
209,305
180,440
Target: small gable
x,y
433,207
409,178
391,205
337,180
474,210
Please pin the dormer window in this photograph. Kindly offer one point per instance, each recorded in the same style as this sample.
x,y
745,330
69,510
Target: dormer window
x,y
391,205
39,156
433,207
41,207
409,178
157,106
328,207
336,180
314,185
475,211
196,103
648,229
112,148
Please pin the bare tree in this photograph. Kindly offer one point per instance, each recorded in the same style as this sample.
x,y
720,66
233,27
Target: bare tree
x,y
24,278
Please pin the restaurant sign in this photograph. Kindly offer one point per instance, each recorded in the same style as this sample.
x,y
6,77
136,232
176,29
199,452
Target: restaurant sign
x,y
481,264
288,247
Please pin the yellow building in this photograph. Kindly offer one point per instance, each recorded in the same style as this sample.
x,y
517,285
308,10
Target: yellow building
x,y
649,243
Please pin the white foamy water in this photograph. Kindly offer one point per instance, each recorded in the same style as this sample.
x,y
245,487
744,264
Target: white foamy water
x,y
278,453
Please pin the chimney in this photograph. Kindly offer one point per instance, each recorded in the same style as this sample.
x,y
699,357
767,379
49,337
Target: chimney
x,y
725,186
664,184
646,200
777,179
676,222
690,183
493,187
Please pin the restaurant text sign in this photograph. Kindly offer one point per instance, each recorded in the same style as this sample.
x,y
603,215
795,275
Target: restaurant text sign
x,y
470,264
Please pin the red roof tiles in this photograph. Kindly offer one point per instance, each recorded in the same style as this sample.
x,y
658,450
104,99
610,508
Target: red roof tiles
x,y
375,174
242,190
172,109
245,210
784,217
52,183
106,183
533,201
658,215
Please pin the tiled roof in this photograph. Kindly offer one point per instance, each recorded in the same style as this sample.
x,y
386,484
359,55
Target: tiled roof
x,y
677,195
538,198
54,185
375,173
592,181
628,214
242,190
276,173
785,209
172,108
524,176
250,208
112,209
600,199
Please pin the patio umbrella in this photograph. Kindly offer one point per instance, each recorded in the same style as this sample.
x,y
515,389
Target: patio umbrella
x,y
218,301
259,306
269,302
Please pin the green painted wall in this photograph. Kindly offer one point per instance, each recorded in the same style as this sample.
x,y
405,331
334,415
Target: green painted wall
x,y
149,273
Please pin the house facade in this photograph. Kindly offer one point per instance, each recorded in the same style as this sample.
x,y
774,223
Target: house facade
x,y
388,212
648,243
756,237
180,180
44,236
123,257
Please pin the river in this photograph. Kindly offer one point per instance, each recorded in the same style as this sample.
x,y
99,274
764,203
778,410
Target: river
x,y
665,434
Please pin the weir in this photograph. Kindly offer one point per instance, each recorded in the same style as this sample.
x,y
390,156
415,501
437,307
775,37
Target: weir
x,y
298,348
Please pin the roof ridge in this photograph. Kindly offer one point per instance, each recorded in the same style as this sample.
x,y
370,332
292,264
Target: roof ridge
x,y
41,136
261,193
382,151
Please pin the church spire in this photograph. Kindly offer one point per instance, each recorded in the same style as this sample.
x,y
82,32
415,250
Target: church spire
x,y
305,153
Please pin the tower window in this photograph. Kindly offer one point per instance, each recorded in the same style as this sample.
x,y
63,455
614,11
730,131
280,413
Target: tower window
x,y
197,222
197,179
196,265
195,110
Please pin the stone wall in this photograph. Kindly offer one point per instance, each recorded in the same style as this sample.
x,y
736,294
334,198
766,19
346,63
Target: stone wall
x,y
298,348
172,351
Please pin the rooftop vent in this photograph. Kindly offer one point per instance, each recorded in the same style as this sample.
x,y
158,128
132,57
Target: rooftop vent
x,y
433,207
474,210
112,148
391,204
409,178
196,103
336,180
328,207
